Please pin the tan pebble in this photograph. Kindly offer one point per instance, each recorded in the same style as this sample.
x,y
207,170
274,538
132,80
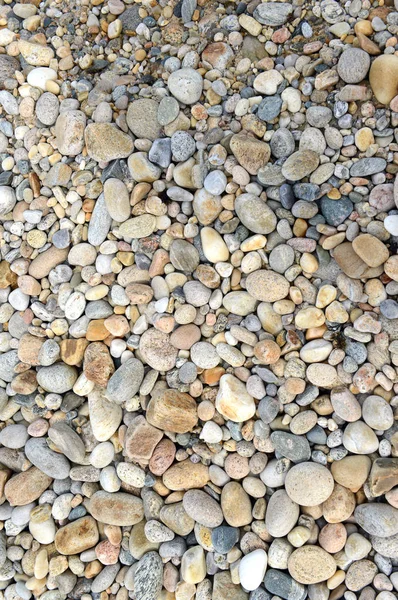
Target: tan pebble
x,y
233,401
77,536
309,484
360,574
116,508
186,475
311,564
371,250
236,505
391,267
141,440
309,317
364,138
351,471
383,77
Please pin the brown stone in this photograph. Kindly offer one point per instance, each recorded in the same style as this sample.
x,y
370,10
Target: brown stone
x,y
72,350
141,440
46,261
98,364
28,285
116,508
7,277
185,336
383,77
28,349
371,250
349,261
267,352
367,44
5,475
218,54
225,589
171,410
162,457
186,475
351,471
77,536
236,505
96,331
117,325
26,487
332,537
251,153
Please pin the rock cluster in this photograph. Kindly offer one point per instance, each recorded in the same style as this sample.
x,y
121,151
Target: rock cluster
x,y
198,300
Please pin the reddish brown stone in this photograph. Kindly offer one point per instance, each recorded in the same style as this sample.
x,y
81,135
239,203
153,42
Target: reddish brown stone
x,y
162,457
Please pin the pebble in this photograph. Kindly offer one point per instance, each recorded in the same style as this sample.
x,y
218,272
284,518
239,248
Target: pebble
x,y
7,199
298,488
117,199
49,462
185,85
300,164
47,108
116,508
252,569
378,519
310,565
267,286
105,142
202,508
282,514
142,118
233,401
353,65
76,537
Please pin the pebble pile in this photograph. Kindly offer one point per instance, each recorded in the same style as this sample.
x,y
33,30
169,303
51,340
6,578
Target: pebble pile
x,y
198,300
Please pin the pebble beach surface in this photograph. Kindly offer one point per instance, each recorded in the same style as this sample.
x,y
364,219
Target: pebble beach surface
x,y
198,300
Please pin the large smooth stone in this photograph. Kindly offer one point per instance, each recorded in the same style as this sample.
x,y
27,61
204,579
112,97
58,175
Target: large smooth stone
x,y
383,77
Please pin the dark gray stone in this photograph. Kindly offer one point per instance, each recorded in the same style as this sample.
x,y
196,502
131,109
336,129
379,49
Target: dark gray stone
x,y
268,408
336,211
306,191
294,447
269,108
282,585
224,538
130,19
367,166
